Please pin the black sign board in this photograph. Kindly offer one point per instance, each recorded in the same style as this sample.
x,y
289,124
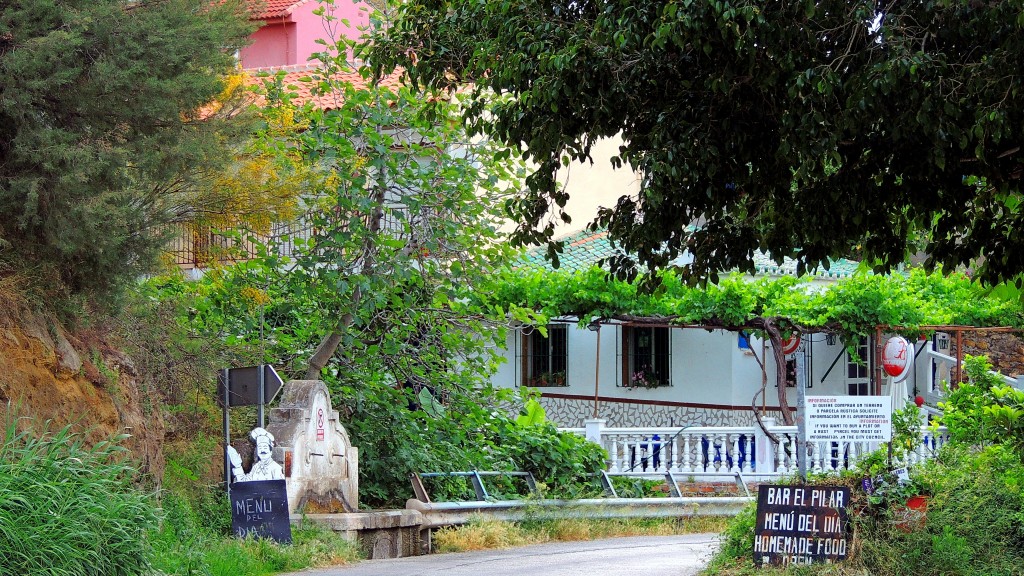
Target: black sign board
x,y
801,525
260,508
245,385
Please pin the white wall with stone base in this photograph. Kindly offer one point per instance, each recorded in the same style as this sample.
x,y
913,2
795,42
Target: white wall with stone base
x,y
572,412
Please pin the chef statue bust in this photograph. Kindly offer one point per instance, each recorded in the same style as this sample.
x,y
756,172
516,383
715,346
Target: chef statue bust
x,y
264,467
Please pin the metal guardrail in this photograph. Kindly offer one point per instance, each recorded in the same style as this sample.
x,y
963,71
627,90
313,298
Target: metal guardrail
x,y
454,513
475,477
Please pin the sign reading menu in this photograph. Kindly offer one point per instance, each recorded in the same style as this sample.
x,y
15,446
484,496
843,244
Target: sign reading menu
x,y
801,525
260,508
849,418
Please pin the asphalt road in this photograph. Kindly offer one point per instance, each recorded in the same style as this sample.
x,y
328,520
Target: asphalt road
x,y
634,556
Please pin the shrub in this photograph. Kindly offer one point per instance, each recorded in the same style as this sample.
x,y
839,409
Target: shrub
x,y
69,509
985,410
473,431
974,524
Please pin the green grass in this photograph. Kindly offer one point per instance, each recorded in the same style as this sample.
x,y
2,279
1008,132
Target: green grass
x,y
69,509
194,537
209,554
484,534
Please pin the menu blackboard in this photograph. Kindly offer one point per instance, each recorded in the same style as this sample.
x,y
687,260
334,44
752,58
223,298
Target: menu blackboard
x,y
801,525
260,508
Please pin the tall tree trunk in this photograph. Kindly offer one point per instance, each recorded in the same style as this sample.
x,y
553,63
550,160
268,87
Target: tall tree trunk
x,y
368,258
775,337
329,345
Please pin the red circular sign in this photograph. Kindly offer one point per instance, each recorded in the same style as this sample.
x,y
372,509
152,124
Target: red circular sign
x,y
895,358
790,345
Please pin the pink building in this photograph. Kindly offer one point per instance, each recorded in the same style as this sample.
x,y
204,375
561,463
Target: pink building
x,y
290,29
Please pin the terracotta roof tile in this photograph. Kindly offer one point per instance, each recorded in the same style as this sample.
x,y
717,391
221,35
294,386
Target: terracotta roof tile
x,y
271,9
302,90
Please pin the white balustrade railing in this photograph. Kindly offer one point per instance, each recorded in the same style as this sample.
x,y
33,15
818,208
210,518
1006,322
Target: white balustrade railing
x,y
724,451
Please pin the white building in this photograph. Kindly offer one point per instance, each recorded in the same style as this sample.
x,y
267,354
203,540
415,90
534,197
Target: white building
x,y
642,375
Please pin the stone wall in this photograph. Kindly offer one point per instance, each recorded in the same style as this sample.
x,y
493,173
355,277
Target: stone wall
x,y
572,412
1004,349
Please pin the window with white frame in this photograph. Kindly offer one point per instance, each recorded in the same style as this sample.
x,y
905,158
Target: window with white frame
x,y
858,369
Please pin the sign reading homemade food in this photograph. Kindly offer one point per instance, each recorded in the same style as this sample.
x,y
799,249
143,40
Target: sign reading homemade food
x,y
849,418
801,525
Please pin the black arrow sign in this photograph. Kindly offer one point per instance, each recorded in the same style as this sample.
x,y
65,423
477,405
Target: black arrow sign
x,y
244,384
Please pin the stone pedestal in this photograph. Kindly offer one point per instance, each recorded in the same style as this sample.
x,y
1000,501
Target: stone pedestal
x,y
321,466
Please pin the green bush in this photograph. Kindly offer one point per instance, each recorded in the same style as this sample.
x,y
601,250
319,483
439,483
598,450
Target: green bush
x,y
974,524
985,410
473,431
67,509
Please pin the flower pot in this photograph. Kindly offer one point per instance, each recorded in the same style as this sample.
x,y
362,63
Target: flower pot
x,y
912,516
919,503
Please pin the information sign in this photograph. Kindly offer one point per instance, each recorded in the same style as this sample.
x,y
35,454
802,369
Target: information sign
x,y
801,525
849,418
260,508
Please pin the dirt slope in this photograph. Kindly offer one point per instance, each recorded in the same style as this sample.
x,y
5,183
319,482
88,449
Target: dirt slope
x,y
48,374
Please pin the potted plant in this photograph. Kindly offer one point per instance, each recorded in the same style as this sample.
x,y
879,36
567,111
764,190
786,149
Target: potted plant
x,y
901,495
547,379
644,378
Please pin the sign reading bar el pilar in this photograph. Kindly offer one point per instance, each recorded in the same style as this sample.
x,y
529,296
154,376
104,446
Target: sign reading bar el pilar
x,y
801,525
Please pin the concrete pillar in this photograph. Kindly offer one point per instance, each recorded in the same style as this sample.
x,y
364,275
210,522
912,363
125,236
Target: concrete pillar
x,y
764,455
594,427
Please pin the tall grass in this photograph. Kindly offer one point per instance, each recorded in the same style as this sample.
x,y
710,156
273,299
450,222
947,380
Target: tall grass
x,y
69,509
485,533
194,537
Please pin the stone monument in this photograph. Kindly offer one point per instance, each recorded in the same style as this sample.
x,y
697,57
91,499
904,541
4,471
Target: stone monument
x,y
321,467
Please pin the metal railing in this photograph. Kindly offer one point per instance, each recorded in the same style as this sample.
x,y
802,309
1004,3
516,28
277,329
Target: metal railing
x,y
198,246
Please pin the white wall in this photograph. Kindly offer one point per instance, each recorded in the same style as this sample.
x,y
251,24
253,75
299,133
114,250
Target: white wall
x,y
708,368
591,186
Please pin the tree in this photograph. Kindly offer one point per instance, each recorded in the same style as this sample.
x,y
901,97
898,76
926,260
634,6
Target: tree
x,y
802,129
372,291
402,218
104,131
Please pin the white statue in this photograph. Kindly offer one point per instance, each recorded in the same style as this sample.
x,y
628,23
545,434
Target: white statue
x,y
264,468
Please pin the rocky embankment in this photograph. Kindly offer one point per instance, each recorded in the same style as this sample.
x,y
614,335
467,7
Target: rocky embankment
x,y
48,373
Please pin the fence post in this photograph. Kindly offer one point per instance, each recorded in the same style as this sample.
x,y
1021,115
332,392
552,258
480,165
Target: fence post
x,y
764,459
594,427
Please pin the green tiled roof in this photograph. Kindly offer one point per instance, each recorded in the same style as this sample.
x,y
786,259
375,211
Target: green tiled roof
x,y
584,249
841,268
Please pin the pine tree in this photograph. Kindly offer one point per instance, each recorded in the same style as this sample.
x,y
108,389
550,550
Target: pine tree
x,y
104,129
